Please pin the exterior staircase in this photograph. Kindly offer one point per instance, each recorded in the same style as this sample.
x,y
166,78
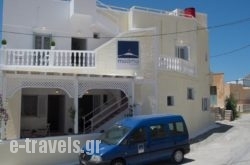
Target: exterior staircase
x,y
105,115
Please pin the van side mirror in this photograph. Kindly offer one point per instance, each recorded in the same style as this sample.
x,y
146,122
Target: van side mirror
x,y
102,131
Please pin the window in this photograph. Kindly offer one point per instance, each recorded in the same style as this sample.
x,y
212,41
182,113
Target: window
x,y
190,93
170,100
29,105
114,134
179,127
157,131
105,99
205,104
182,52
213,90
176,128
42,41
213,100
139,136
96,35
171,127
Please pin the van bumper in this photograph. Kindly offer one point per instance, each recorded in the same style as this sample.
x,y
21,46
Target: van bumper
x,y
85,160
186,149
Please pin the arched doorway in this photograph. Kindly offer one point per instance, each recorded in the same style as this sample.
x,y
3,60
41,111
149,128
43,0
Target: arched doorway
x,y
43,112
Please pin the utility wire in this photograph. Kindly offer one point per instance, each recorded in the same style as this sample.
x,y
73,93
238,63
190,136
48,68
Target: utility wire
x,y
231,51
173,33
151,35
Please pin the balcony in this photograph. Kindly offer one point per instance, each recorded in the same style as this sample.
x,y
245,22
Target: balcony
x,y
177,65
46,60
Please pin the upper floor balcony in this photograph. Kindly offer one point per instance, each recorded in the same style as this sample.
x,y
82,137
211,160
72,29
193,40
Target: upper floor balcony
x,y
77,62
177,64
42,60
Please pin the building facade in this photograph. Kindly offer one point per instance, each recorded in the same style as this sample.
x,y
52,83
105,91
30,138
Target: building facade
x,y
220,90
107,63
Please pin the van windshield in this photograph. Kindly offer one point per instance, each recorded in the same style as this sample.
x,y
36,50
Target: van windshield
x,y
113,135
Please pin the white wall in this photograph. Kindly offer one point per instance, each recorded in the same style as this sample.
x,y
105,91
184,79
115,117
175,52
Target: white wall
x,y
14,111
80,24
53,18
170,83
171,28
87,7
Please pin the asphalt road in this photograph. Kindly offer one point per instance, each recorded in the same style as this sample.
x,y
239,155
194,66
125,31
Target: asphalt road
x,y
229,144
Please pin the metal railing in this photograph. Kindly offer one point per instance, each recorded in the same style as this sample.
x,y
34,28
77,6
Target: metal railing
x,y
55,58
102,5
105,105
94,118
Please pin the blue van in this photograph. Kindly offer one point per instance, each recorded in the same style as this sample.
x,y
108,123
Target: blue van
x,y
141,140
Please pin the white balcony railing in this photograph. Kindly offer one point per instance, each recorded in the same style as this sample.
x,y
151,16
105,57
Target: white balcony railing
x,y
53,58
177,64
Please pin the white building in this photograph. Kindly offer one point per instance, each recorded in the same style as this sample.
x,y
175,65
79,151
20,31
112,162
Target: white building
x,y
107,61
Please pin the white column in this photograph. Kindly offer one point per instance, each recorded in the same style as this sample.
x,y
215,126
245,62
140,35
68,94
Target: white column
x,y
76,106
133,96
1,130
51,58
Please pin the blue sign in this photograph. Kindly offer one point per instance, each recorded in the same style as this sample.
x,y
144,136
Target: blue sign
x,y
128,54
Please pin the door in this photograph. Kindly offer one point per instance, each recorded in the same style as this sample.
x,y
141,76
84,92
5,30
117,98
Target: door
x,y
77,58
56,113
135,147
85,105
161,142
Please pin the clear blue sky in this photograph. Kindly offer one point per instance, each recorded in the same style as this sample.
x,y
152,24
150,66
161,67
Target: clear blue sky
x,y
221,40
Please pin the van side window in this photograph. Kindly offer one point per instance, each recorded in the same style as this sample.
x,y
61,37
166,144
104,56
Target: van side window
x,y
176,127
171,128
157,131
179,127
138,136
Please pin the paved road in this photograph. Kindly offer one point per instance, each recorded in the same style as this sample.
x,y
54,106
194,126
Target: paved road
x,y
227,145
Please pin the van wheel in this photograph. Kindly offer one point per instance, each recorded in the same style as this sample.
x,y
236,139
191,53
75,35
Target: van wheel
x,y
118,162
178,156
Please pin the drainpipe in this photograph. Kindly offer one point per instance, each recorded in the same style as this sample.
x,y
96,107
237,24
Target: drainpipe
x,y
76,106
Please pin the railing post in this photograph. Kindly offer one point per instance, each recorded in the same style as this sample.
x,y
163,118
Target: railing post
x,y
51,58
2,56
83,124
91,124
93,59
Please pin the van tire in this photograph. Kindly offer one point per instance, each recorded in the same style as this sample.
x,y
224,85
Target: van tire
x,y
177,156
118,162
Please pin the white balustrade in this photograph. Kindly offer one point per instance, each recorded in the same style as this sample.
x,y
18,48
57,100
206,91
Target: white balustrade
x,y
55,58
177,64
